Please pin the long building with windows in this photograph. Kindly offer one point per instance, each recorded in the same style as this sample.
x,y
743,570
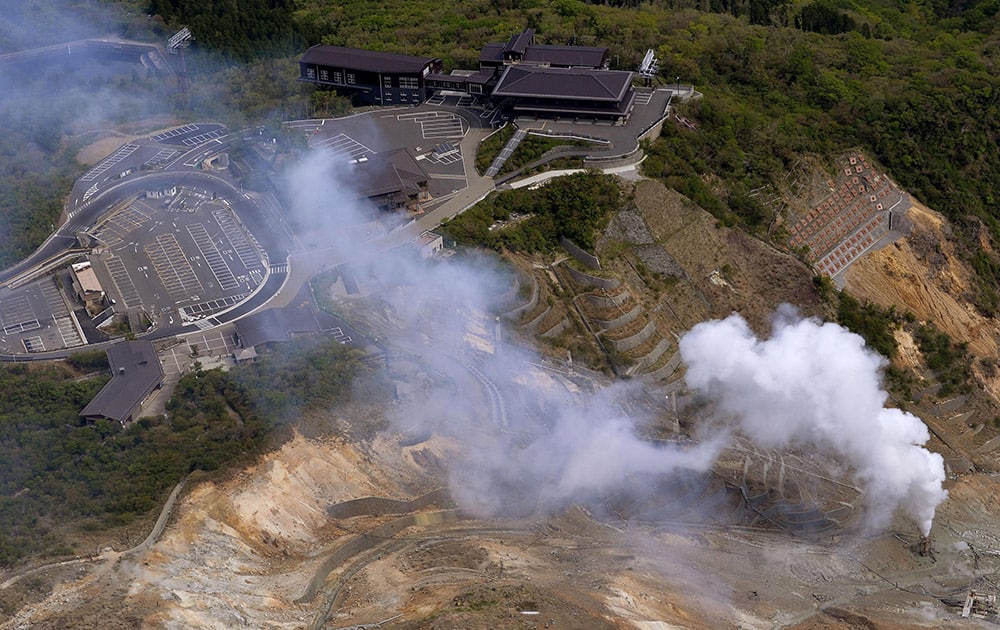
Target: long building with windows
x,y
374,78
518,76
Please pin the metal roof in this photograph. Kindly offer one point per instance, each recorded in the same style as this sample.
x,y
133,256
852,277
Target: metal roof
x,y
529,52
492,53
519,42
367,60
580,56
387,173
276,324
136,371
609,86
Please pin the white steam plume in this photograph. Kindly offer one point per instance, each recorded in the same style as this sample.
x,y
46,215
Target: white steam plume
x,y
551,448
817,384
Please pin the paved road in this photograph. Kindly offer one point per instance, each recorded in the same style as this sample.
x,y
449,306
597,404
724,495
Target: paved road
x,y
85,216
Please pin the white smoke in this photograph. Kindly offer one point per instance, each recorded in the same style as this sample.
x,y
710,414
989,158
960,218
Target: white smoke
x,y
551,448
589,451
817,384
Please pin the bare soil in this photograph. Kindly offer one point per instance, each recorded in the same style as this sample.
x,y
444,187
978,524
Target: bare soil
x,y
243,553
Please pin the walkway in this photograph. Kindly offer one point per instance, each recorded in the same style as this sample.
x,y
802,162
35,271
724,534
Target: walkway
x,y
505,154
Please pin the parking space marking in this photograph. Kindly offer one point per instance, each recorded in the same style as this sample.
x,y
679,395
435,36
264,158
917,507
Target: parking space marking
x,y
343,145
234,234
33,344
53,298
172,267
127,292
70,335
113,231
223,274
16,309
107,163
20,327
210,307
162,157
202,138
166,135
418,116
436,124
444,159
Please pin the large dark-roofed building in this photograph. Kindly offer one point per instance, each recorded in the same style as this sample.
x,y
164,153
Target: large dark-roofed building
x,y
391,180
378,78
136,372
535,90
566,56
521,49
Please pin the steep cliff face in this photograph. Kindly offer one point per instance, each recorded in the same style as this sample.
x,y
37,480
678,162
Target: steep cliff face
x,y
922,273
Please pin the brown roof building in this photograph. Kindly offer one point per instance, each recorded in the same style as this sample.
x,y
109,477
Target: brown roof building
x,y
521,48
535,90
391,180
518,75
135,373
377,78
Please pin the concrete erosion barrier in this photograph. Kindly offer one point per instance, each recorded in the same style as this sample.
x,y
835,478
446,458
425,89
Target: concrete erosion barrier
x,y
587,280
633,341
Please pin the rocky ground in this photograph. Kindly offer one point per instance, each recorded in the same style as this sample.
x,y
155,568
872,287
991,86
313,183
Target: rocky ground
x,y
262,549
255,552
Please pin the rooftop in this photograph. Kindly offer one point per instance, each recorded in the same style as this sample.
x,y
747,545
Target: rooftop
x,y
585,85
276,324
519,42
583,56
136,371
389,172
87,278
355,58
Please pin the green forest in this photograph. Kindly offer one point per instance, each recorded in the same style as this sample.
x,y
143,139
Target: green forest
x,y
576,206
65,477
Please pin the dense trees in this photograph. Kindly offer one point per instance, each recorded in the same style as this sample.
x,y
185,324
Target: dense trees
x,y
575,206
244,30
62,474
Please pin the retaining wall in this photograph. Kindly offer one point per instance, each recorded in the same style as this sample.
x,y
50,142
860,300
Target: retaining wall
x,y
533,324
618,322
626,344
556,330
608,301
587,280
575,251
516,313
653,356
668,368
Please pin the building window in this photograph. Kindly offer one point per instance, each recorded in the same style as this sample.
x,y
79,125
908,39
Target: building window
x,y
324,74
387,82
310,73
351,79
410,83
338,76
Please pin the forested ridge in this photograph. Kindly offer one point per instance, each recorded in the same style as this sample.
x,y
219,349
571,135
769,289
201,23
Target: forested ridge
x,y
916,84
65,476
